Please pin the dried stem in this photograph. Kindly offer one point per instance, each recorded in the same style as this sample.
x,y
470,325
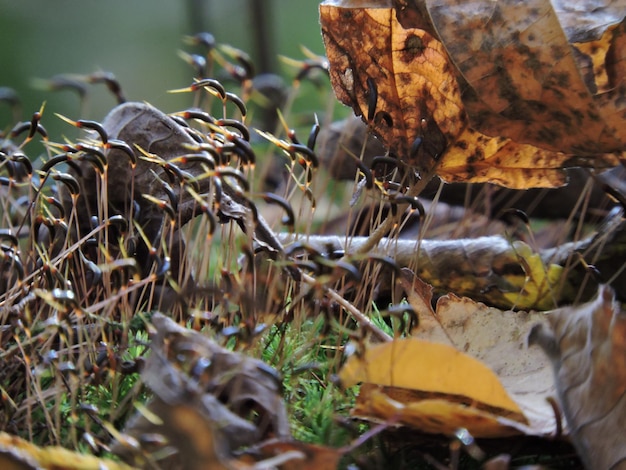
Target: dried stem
x,y
361,318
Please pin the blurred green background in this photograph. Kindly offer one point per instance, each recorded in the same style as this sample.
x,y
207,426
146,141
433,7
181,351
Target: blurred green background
x,y
137,40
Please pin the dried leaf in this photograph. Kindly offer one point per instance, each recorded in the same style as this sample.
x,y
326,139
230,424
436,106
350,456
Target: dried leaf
x,y
414,81
528,107
467,366
421,375
497,339
587,347
209,401
18,454
524,82
294,455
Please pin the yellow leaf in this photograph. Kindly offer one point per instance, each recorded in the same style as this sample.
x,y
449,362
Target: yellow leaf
x,y
433,415
21,455
430,367
537,286
479,158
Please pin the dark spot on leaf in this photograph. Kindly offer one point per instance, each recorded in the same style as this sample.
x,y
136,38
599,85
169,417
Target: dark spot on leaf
x,y
537,106
560,116
477,156
557,53
593,116
562,79
413,47
548,134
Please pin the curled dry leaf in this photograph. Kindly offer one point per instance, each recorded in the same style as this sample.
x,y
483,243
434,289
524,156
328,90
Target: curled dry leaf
x,y
140,126
209,402
506,92
587,347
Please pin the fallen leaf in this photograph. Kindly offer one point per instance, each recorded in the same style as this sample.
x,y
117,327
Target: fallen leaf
x,y
497,338
209,402
587,347
522,79
478,158
466,366
406,379
442,415
18,454
528,109
417,94
295,455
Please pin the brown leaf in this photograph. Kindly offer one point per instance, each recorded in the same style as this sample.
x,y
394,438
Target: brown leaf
x,y
523,81
294,455
412,75
478,158
587,346
526,111
209,401
496,338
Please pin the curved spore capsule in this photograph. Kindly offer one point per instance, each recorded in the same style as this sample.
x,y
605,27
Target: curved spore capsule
x,y
217,183
119,222
244,150
315,130
289,219
179,120
23,160
12,258
309,65
171,195
111,83
212,84
204,39
124,147
56,203
387,261
231,172
511,214
414,202
198,115
94,160
238,125
161,204
237,102
69,181
6,234
304,150
4,181
94,126
202,158
383,116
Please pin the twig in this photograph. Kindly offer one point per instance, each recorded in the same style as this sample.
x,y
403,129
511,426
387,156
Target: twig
x,y
361,318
